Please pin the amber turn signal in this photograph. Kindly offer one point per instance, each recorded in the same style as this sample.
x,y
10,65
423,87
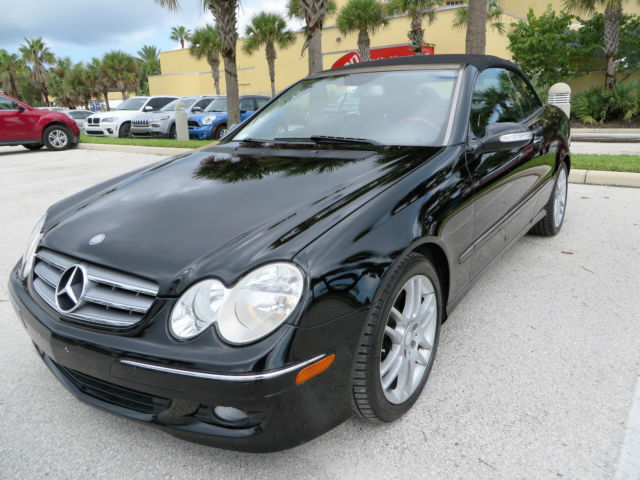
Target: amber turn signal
x,y
307,373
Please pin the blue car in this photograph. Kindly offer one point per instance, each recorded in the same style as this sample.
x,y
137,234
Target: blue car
x,y
212,122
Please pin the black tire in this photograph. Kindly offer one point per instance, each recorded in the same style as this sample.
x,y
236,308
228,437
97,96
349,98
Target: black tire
x,y
220,131
125,130
57,137
172,132
548,226
370,401
33,146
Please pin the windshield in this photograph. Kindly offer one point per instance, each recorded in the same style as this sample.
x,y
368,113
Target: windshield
x,y
133,103
218,105
171,106
392,108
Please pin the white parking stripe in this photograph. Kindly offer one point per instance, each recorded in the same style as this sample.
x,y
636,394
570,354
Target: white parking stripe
x,y
629,463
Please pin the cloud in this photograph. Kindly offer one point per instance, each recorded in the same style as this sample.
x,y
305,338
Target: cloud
x,y
84,29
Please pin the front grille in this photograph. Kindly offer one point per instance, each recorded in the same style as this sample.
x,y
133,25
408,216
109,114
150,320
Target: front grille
x,y
115,394
193,123
140,122
111,298
93,120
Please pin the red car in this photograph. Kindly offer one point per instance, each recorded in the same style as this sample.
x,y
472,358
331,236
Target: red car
x,y
23,125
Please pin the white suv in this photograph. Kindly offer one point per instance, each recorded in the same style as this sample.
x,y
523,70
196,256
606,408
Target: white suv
x,y
117,123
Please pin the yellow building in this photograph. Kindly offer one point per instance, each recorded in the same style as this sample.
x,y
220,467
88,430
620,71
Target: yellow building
x,y
184,75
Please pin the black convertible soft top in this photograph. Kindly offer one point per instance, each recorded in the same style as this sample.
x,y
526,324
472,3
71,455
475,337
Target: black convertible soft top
x,y
479,61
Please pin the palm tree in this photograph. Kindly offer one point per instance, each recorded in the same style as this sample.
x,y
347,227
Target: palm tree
x,y
36,53
205,43
364,17
612,19
225,14
481,12
180,33
149,60
268,29
102,83
11,68
417,10
313,12
122,71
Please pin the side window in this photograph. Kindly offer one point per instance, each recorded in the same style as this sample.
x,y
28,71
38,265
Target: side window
x,y
261,102
202,103
494,100
246,104
158,103
525,95
6,104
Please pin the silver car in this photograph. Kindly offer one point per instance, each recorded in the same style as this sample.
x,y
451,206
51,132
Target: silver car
x,y
162,123
79,116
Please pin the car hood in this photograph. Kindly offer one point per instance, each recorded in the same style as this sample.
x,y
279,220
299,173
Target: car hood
x,y
222,211
119,114
199,116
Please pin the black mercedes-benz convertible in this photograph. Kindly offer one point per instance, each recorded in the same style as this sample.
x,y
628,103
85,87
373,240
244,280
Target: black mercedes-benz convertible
x,y
254,294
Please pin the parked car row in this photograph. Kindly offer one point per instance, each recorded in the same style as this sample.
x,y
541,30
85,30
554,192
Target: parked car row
x,y
153,117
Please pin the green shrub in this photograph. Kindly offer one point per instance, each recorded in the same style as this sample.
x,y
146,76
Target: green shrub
x,y
591,107
596,105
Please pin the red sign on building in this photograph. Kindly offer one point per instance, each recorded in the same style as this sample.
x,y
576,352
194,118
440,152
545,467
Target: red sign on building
x,y
381,52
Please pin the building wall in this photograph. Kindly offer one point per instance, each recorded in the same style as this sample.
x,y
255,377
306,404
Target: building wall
x,y
184,75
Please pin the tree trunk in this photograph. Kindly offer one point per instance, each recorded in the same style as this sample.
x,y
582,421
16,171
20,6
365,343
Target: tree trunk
x,y
416,34
214,63
224,13
45,94
476,40
364,44
612,19
182,43
106,99
314,13
14,88
271,62
124,95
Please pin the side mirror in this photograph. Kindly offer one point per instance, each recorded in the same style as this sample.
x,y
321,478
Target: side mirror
x,y
196,109
21,108
147,108
243,111
500,137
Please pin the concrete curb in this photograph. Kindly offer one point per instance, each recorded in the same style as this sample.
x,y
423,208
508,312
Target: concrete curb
x,y
601,177
166,151
606,135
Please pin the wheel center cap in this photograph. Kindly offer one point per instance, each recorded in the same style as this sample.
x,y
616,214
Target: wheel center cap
x,y
409,336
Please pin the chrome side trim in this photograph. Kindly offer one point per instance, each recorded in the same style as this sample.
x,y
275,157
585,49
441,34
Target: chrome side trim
x,y
221,376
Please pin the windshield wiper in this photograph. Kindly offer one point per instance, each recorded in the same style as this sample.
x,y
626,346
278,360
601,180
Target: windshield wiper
x,y
348,140
328,139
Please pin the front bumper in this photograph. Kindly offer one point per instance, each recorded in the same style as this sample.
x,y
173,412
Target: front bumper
x,y
180,399
202,132
102,129
158,130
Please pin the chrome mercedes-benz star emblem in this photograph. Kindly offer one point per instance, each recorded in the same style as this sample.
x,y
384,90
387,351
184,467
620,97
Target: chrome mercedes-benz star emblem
x,y
95,240
71,288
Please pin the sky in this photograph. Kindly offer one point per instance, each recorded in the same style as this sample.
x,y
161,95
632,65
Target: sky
x,y
82,29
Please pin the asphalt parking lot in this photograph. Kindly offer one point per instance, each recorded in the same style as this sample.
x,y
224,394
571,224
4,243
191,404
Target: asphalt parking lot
x,y
535,375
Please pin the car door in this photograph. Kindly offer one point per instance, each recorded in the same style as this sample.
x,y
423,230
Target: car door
x,y
503,181
15,123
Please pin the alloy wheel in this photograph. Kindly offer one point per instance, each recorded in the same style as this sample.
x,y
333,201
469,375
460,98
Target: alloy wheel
x,y
408,339
58,138
560,200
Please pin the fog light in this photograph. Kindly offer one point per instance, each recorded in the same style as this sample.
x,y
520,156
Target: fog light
x,y
230,414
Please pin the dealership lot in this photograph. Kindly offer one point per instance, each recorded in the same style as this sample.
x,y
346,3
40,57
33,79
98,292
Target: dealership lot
x,y
534,378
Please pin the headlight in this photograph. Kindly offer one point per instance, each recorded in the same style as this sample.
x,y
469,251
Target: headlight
x,y
108,120
208,120
34,240
253,308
